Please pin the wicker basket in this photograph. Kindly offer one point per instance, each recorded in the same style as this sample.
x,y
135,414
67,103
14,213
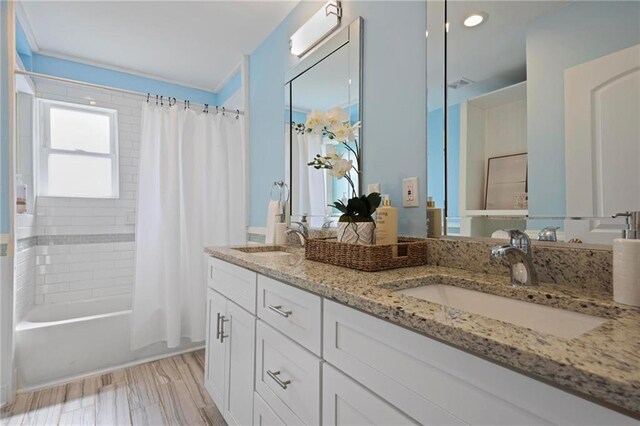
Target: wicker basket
x,y
411,252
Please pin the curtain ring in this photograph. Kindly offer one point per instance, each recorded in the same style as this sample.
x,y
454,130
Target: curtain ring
x,y
156,100
148,94
206,109
237,114
175,101
224,111
217,110
161,102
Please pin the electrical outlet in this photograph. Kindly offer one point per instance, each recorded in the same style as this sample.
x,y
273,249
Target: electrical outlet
x,y
373,187
410,192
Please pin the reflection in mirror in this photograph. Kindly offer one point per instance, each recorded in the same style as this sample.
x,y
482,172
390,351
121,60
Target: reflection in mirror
x,y
558,81
330,84
436,116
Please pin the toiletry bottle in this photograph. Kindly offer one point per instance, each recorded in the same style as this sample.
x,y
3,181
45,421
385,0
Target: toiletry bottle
x,y
626,262
387,224
21,195
434,219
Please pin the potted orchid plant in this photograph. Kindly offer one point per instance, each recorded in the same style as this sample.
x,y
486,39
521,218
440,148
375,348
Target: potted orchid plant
x,y
356,224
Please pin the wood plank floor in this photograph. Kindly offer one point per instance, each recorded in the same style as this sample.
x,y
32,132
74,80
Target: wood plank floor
x,y
169,391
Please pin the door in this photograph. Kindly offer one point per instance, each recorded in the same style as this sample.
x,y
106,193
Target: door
x,y
602,143
215,349
239,338
348,403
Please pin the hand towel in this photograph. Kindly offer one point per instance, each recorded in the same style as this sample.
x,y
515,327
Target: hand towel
x,y
273,217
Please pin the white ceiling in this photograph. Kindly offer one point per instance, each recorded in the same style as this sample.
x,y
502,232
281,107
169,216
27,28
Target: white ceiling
x,y
492,54
193,43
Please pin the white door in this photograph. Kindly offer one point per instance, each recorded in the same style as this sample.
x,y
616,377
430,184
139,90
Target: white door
x,y
348,403
602,143
215,349
239,338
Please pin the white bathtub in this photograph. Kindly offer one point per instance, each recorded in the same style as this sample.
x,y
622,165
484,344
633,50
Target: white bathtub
x,y
58,342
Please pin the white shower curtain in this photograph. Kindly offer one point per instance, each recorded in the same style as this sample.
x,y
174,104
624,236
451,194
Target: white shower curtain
x,y
190,195
309,191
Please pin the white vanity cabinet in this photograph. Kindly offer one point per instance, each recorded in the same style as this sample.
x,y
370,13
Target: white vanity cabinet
x,y
278,355
230,345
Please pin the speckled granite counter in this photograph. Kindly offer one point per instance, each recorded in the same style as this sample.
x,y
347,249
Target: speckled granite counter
x,y
603,364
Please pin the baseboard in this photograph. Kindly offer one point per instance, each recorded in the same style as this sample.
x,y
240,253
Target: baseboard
x,y
70,379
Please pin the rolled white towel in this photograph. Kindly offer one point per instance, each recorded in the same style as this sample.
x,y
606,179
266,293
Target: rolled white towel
x,y
273,217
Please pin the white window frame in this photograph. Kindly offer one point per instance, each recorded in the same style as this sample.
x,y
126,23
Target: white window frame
x,y
44,149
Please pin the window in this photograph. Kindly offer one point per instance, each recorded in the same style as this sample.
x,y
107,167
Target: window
x,y
78,153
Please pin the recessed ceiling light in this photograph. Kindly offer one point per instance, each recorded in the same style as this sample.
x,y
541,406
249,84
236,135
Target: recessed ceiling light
x,y
446,27
475,19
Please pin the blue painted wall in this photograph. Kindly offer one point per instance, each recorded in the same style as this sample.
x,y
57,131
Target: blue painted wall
x,y
22,46
435,158
230,88
92,74
578,33
394,102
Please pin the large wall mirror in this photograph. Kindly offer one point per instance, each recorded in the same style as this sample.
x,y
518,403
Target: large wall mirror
x,y
328,78
542,118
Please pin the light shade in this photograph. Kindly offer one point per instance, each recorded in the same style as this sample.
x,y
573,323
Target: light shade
x,y
320,25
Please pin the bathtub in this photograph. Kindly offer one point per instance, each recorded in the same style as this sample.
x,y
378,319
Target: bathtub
x,y
59,342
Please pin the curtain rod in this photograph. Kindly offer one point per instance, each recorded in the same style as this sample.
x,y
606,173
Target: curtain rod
x,y
115,89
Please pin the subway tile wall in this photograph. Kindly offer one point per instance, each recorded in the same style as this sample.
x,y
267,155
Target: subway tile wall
x,y
25,266
77,271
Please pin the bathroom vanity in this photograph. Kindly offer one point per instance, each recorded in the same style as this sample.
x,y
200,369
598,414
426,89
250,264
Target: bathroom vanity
x,y
291,341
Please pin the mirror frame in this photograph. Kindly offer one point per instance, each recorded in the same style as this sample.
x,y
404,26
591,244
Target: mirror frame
x,y
351,34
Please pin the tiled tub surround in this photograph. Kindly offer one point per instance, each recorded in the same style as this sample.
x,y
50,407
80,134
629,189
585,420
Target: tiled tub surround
x,y
85,247
601,364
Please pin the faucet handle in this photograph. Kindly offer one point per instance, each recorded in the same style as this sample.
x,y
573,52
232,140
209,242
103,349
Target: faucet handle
x,y
518,238
548,233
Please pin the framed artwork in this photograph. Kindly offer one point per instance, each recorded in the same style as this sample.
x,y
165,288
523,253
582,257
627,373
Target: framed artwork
x,y
506,183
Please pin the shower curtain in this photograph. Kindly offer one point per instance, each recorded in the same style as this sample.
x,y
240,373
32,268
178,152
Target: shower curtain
x,y
310,189
191,194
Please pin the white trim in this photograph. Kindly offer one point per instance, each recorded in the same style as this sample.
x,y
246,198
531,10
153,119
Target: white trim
x,y
236,69
44,145
21,15
98,64
129,364
244,84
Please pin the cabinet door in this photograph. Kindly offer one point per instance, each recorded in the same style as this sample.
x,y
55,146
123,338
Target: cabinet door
x,y
215,350
346,402
239,332
263,415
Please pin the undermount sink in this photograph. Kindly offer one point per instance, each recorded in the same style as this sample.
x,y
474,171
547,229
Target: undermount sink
x,y
545,319
264,250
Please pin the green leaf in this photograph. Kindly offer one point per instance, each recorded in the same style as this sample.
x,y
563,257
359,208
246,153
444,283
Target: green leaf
x,y
374,202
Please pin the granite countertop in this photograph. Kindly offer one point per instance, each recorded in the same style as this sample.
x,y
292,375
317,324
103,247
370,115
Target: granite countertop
x,y
603,364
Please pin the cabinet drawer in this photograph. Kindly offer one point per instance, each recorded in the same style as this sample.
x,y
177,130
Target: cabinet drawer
x,y
287,377
348,403
236,283
291,311
263,415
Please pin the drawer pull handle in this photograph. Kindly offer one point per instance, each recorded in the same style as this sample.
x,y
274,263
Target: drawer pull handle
x,y
274,376
278,310
220,332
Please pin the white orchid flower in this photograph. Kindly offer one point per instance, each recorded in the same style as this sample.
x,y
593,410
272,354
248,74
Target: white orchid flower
x,y
332,154
341,167
316,122
336,116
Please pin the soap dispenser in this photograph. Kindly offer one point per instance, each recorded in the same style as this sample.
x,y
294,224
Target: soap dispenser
x,y
434,219
626,261
387,224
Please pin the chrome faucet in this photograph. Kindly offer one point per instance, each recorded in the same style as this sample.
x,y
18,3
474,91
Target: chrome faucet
x,y
548,234
302,232
518,254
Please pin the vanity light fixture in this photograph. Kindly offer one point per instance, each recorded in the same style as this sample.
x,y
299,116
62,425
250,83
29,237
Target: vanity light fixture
x,y
319,26
475,19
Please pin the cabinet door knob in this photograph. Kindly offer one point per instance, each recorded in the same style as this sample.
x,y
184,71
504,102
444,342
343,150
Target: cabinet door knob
x,y
274,376
278,310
